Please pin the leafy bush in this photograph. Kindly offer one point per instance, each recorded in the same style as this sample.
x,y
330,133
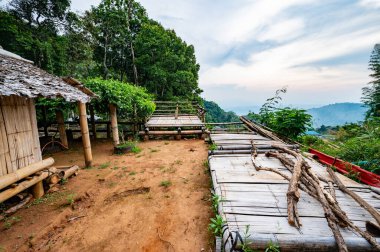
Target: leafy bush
x,y
288,122
128,98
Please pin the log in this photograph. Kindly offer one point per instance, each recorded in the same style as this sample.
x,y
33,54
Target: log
x,y
85,134
262,131
38,190
115,129
61,128
20,205
6,194
375,214
12,178
54,177
69,172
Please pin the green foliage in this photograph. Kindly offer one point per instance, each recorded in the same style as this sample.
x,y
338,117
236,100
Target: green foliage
x,y
9,221
213,146
356,143
170,69
132,101
288,122
371,93
217,114
215,199
115,40
70,199
216,225
272,247
245,246
166,183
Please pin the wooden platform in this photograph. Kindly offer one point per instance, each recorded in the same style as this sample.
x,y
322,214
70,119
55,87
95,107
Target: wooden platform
x,y
166,121
257,199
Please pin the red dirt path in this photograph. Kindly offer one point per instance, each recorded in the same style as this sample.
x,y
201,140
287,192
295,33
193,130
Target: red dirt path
x,y
120,203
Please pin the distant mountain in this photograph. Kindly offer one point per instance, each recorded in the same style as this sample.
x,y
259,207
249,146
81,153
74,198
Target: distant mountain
x,y
337,114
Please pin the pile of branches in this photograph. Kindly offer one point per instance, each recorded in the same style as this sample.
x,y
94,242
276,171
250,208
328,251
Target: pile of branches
x,y
305,179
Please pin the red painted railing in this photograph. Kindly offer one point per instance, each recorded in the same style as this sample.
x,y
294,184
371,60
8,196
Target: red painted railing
x,y
344,167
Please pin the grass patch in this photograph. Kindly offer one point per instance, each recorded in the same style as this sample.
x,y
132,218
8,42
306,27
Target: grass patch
x,y
154,150
49,198
132,173
8,222
104,166
166,143
136,149
213,147
166,183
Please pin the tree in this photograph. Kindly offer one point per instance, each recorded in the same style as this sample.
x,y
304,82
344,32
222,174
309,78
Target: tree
x,y
167,65
371,93
40,12
289,122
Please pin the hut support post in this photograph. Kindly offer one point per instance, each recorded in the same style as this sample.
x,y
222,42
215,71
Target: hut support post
x,y
115,130
61,128
85,134
93,125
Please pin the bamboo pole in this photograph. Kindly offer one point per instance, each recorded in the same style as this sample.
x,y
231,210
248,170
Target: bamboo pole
x,y
61,128
11,178
115,130
176,112
85,134
4,195
93,125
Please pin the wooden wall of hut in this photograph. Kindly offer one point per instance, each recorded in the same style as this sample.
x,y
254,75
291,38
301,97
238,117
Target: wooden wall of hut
x,y
19,142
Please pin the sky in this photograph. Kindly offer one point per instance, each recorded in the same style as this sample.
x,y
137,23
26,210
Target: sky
x,y
318,49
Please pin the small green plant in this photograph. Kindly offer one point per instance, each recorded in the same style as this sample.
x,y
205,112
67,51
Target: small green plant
x,y
63,181
136,149
213,147
104,166
8,222
272,247
245,246
205,164
166,143
215,199
70,199
154,150
132,173
216,225
166,183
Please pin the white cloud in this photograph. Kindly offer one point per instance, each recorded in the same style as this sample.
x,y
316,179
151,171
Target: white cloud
x,y
370,3
257,46
283,30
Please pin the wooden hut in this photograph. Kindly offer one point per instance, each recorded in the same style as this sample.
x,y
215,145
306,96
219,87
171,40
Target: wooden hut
x,y
20,83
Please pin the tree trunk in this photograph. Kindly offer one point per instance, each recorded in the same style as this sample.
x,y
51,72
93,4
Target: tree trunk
x,y
115,130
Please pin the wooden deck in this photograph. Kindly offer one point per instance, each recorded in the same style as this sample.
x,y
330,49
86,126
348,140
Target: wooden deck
x,y
170,121
257,199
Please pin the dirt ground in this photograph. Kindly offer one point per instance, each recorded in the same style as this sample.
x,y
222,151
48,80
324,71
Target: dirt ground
x,y
156,200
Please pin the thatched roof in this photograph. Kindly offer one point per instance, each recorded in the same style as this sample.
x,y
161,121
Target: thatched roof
x,y
20,77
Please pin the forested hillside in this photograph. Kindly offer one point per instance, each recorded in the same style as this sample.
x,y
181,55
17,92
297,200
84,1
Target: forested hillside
x,y
217,114
338,114
114,40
